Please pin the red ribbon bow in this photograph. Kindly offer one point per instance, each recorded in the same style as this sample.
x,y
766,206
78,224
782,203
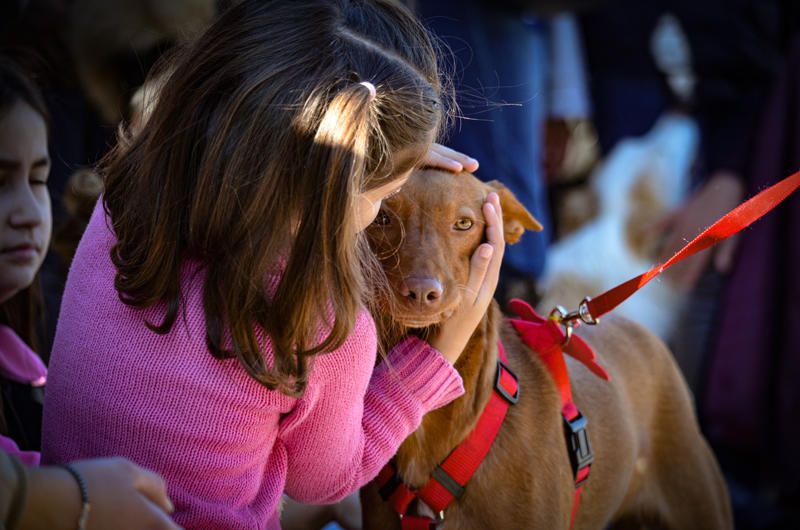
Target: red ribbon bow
x,y
547,337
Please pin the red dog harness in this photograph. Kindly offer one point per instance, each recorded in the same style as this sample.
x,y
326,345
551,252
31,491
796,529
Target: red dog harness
x,y
451,476
549,340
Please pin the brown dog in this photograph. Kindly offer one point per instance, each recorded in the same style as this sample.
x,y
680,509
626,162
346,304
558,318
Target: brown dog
x,y
651,464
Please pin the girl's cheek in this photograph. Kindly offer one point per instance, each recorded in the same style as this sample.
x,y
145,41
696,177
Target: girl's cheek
x,y
376,207
367,212
47,224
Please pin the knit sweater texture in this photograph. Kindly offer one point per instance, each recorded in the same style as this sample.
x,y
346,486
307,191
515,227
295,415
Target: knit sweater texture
x,y
227,447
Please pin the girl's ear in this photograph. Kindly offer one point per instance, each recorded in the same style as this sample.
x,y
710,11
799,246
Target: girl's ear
x,y
516,218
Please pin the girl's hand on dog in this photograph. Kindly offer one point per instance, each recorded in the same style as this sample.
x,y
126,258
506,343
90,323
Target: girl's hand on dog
x,y
454,333
441,157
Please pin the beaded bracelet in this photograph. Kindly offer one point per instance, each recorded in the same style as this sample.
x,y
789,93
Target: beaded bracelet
x,y
83,520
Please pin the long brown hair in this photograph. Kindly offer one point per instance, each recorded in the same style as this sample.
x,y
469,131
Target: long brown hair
x,y
260,139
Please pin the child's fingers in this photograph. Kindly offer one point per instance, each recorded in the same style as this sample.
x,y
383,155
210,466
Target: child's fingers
x,y
468,163
154,488
162,521
484,271
494,222
485,264
442,157
493,213
437,160
479,264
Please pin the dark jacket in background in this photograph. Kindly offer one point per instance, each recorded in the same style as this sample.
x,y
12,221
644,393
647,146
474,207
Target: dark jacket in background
x,y
749,408
499,81
737,48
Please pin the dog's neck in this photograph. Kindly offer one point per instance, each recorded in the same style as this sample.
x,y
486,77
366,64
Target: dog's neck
x,y
443,429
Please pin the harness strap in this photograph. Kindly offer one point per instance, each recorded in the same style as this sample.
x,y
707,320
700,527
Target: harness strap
x,y
449,479
467,457
548,338
447,483
393,490
418,522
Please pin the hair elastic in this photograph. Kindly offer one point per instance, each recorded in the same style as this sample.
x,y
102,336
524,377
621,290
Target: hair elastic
x,y
371,88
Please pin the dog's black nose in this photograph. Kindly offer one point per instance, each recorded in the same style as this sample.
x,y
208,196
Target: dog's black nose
x,y
423,291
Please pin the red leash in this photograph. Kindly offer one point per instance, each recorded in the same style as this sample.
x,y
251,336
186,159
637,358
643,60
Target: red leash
x,y
732,223
553,337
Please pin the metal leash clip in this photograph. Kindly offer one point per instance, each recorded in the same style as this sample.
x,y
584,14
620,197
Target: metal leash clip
x,y
559,315
569,320
583,314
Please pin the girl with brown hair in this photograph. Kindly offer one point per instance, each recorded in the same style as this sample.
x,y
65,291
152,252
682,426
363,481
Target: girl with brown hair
x,y
125,496
213,326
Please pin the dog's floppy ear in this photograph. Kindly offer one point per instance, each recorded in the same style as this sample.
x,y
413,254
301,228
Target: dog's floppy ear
x,y
516,218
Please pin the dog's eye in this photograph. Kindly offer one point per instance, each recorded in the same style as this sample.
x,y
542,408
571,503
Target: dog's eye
x,y
465,223
382,219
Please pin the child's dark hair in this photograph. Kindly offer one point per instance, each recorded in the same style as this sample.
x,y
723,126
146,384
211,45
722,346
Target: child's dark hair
x,y
16,86
22,312
259,141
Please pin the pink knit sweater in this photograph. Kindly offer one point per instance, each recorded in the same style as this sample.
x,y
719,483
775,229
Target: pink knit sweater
x,y
227,447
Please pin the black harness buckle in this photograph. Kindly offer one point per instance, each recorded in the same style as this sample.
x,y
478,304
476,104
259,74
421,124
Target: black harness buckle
x,y
578,446
386,490
499,387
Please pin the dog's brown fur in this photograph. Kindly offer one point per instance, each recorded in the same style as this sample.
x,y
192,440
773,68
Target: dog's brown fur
x,y
652,465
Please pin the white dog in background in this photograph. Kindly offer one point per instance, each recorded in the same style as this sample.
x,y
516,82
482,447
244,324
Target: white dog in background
x,y
641,181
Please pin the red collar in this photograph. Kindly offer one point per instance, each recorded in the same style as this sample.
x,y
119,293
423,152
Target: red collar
x,y
449,479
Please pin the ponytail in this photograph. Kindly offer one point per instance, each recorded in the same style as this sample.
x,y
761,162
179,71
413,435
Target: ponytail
x,y
341,145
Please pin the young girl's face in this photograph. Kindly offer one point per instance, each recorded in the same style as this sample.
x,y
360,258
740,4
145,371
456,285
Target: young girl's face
x,y
24,199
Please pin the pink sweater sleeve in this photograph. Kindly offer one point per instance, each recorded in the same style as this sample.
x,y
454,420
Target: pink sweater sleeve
x,y
343,430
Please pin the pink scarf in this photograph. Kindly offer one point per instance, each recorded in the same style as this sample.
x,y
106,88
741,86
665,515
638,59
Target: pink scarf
x,y
19,363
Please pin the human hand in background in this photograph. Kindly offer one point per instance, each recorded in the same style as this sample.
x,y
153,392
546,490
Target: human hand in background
x,y
121,494
721,193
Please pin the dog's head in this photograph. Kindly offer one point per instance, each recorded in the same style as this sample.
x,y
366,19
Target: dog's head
x,y
425,236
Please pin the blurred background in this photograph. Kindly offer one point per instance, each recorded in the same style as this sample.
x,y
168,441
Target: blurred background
x,y
625,126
